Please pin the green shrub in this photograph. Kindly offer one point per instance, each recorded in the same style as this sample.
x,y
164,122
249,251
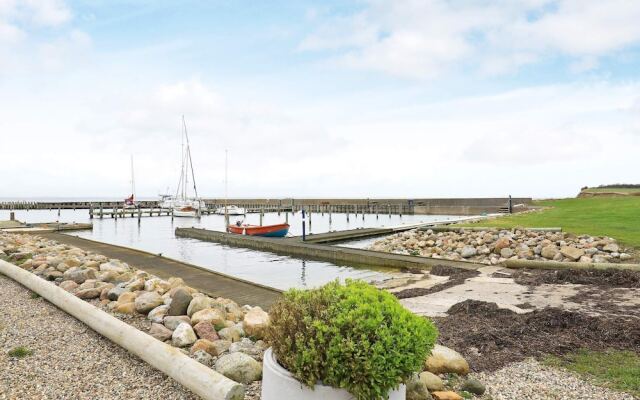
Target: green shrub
x,y
350,336
20,352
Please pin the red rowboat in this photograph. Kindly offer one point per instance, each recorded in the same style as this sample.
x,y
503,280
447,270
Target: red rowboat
x,y
279,230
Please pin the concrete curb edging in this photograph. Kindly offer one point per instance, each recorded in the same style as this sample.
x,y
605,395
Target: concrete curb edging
x,y
205,382
520,264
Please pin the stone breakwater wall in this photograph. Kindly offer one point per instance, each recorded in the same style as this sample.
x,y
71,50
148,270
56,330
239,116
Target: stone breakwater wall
x,y
217,332
494,246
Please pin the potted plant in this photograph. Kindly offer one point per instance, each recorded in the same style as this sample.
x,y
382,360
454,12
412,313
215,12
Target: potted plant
x,y
343,342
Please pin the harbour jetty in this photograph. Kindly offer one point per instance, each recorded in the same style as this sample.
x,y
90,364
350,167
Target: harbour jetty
x,y
422,206
320,249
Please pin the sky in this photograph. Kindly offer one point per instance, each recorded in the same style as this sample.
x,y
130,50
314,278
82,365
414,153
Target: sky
x,y
399,98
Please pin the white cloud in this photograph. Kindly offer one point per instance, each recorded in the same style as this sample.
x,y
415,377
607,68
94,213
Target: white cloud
x,y
422,39
542,141
24,47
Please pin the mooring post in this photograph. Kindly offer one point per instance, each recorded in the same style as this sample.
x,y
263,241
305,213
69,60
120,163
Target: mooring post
x,y
286,217
309,221
304,228
510,205
58,211
12,216
139,214
261,218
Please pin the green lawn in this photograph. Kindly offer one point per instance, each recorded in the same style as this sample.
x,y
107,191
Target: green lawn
x,y
612,190
619,370
616,217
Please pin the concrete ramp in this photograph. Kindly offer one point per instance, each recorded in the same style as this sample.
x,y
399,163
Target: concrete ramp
x,y
213,283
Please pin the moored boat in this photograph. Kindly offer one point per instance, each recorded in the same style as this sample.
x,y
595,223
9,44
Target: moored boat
x,y
185,211
183,205
278,230
231,210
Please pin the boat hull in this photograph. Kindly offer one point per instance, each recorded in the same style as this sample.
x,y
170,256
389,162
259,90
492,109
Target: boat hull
x,y
230,211
279,230
177,213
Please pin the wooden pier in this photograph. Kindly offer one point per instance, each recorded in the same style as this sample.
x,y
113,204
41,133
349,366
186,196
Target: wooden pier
x,y
438,206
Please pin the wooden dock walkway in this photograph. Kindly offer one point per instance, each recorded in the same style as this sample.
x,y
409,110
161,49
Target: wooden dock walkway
x,y
210,282
316,251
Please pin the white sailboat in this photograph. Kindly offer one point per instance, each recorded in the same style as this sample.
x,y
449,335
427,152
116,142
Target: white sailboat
x,y
231,210
130,202
183,205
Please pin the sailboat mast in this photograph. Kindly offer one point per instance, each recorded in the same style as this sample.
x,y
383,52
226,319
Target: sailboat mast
x,y
226,182
180,188
190,164
186,160
133,181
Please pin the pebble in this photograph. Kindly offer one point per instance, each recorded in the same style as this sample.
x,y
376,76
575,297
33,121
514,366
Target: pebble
x,y
531,380
86,367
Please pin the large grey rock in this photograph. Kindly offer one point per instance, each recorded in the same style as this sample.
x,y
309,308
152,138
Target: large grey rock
x,y
431,381
611,248
180,302
231,334
78,275
468,251
147,302
247,347
115,293
157,314
173,321
445,360
52,274
506,252
90,293
203,358
213,316
256,322
239,367
135,285
160,332
571,252
63,267
183,335
220,346
417,390
114,266
69,286
474,386
198,304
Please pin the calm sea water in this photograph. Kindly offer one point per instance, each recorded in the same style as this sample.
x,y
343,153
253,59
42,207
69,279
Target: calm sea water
x,y
156,235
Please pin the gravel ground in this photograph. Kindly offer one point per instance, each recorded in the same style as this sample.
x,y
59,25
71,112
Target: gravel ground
x,y
69,360
531,380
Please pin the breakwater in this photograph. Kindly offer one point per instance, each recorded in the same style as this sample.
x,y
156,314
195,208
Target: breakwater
x,y
297,248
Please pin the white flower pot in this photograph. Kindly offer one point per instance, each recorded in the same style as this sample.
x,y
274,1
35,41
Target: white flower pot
x,y
279,384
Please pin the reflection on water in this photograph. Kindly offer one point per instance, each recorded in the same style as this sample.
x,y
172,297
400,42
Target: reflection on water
x,y
156,235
